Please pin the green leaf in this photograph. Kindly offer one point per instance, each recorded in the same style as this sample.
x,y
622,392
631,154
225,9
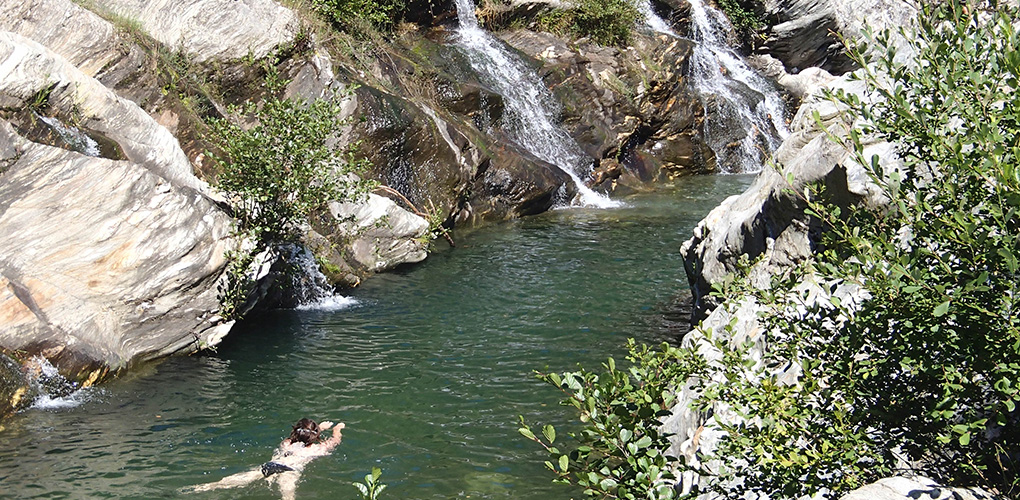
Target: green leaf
x,y
941,309
550,433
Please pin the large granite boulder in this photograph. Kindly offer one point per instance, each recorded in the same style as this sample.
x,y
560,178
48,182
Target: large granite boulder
x,y
213,30
377,234
914,488
806,33
767,222
104,262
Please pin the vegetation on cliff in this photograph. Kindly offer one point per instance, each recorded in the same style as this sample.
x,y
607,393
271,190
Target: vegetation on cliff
x,y
925,373
278,173
605,22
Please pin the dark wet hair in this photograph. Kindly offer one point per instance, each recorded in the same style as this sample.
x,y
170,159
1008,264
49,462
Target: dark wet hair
x,y
305,431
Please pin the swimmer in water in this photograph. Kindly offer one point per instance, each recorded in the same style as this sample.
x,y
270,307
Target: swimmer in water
x,y
288,460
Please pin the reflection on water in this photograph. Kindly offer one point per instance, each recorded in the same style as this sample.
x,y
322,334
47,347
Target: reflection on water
x,y
429,367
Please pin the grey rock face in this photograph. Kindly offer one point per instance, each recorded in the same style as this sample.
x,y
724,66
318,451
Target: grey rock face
x,y
803,37
103,262
909,488
32,71
213,30
379,235
81,37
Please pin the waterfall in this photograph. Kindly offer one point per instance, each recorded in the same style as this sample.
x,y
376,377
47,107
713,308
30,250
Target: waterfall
x,y
54,391
652,20
744,112
75,139
528,117
312,288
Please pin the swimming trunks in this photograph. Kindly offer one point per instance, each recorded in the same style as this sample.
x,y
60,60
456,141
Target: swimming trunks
x,y
270,468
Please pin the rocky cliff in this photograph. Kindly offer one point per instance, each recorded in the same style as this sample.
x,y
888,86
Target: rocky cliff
x,y
114,248
767,225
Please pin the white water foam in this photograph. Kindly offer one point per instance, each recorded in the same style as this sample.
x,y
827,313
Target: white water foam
x,y
73,400
529,104
652,20
330,303
56,392
316,293
75,138
723,77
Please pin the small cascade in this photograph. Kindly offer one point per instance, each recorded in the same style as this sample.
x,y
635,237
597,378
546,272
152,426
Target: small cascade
x,y
529,104
745,113
652,20
54,392
75,139
313,289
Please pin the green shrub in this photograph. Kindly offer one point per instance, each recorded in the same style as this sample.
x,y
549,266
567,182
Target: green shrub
x,y
284,167
928,368
348,15
748,23
605,22
279,172
620,451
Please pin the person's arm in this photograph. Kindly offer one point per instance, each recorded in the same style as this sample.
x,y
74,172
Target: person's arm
x,y
335,438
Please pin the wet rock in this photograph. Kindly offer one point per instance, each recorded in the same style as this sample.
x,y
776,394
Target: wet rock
x,y
15,390
435,153
515,185
633,105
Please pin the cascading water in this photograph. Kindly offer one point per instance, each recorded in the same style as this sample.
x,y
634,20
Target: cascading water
x,y
744,112
53,391
75,139
528,116
311,288
652,20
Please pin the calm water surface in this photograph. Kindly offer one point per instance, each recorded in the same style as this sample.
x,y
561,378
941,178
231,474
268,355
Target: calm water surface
x,y
429,369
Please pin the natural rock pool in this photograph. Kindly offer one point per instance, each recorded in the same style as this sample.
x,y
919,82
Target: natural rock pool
x,y
429,367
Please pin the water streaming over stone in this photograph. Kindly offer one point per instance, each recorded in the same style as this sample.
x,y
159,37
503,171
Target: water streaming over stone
x,y
530,106
744,112
312,289
53,391
75,139
652,20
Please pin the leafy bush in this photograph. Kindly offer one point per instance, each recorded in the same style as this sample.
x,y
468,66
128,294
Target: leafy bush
x,y
927,369
620,452
284,167
746,21
347,14
279,172
605,22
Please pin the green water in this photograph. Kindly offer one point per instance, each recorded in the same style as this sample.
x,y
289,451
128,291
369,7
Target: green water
x,y
429,369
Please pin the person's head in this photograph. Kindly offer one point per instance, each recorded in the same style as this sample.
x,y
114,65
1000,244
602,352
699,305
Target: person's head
x,y
305,431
